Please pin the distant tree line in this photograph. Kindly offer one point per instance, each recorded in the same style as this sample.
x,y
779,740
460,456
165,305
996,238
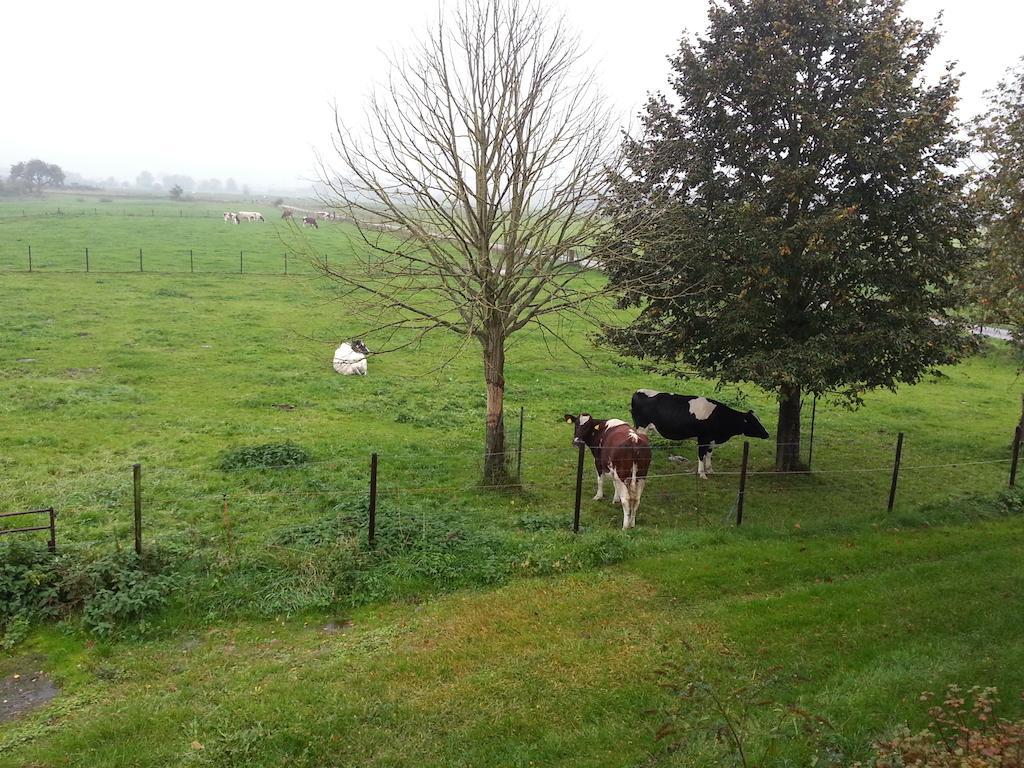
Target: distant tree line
x,y
32,176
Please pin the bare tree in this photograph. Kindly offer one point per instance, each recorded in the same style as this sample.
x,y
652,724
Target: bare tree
x,y
474,187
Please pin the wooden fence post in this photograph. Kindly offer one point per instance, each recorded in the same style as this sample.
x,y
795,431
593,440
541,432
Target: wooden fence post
x,y
1016,455
579,491
372,535
743,483
137,483
86,259
241,271
286,263
140,259
30,258
52,545
191,261
895,471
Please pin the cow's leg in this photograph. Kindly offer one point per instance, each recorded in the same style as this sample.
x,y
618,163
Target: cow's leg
x,y
702,455
707,462
636,490
600,487
623,494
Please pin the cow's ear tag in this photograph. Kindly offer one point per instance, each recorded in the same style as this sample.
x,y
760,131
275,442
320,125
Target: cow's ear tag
x,y
597,427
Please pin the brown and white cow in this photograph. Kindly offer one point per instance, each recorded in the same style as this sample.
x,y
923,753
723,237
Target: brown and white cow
x,y
620,451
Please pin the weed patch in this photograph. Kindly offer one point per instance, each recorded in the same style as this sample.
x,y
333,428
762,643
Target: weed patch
x,y
266,456
111,591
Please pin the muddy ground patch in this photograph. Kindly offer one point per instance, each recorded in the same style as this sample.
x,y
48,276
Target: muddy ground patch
x,y
24,687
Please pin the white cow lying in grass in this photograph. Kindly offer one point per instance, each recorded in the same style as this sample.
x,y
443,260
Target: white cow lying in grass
x,y
350,359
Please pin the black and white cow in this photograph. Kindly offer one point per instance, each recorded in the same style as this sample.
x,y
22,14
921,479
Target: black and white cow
x,y
680,417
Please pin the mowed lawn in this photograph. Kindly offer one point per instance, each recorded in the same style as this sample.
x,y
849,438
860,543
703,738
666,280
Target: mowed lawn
x,y
567,670
834,604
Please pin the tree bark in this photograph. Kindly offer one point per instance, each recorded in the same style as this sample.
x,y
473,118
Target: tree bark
x,y
787,436
495,456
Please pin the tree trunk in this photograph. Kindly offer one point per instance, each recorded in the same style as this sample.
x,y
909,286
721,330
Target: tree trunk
x,y
787,436
495,456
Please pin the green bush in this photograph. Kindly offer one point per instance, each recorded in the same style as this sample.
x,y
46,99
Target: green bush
x,y
266,456
110,590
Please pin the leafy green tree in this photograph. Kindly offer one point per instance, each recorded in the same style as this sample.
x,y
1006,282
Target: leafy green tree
x,y
176,192
36,174
802,226
998,278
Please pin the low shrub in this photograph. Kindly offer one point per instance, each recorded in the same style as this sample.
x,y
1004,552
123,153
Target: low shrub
x,y
963,733
266,456
110,590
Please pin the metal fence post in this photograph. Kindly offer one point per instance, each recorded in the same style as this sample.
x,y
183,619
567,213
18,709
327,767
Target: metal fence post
x,y
240,269
30,258
519,451
372,535
140,259
810,448
226,520
895,471
579,491
137,487
1016,455
743,483
86,259
286,263
191,261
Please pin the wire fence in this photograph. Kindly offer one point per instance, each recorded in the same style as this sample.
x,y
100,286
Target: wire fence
x,y
159,260
853,481
151,212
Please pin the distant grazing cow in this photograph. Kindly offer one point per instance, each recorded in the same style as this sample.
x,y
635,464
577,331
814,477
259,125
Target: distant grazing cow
x,y
287,213
310,221
350,359
250,215
231,218
619,451
680,417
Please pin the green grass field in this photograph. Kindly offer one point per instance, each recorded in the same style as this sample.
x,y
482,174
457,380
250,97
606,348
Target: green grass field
x,y
483,632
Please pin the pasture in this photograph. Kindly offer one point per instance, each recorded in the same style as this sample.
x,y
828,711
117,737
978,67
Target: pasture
x,y
482,631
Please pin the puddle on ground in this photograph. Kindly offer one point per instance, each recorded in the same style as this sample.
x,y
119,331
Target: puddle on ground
x,y
24,688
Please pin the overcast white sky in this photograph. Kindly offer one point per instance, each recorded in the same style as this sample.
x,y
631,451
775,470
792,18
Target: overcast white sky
x,y
243,89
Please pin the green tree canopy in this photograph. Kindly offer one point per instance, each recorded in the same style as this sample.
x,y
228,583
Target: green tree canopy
x,y
802,222
998,279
